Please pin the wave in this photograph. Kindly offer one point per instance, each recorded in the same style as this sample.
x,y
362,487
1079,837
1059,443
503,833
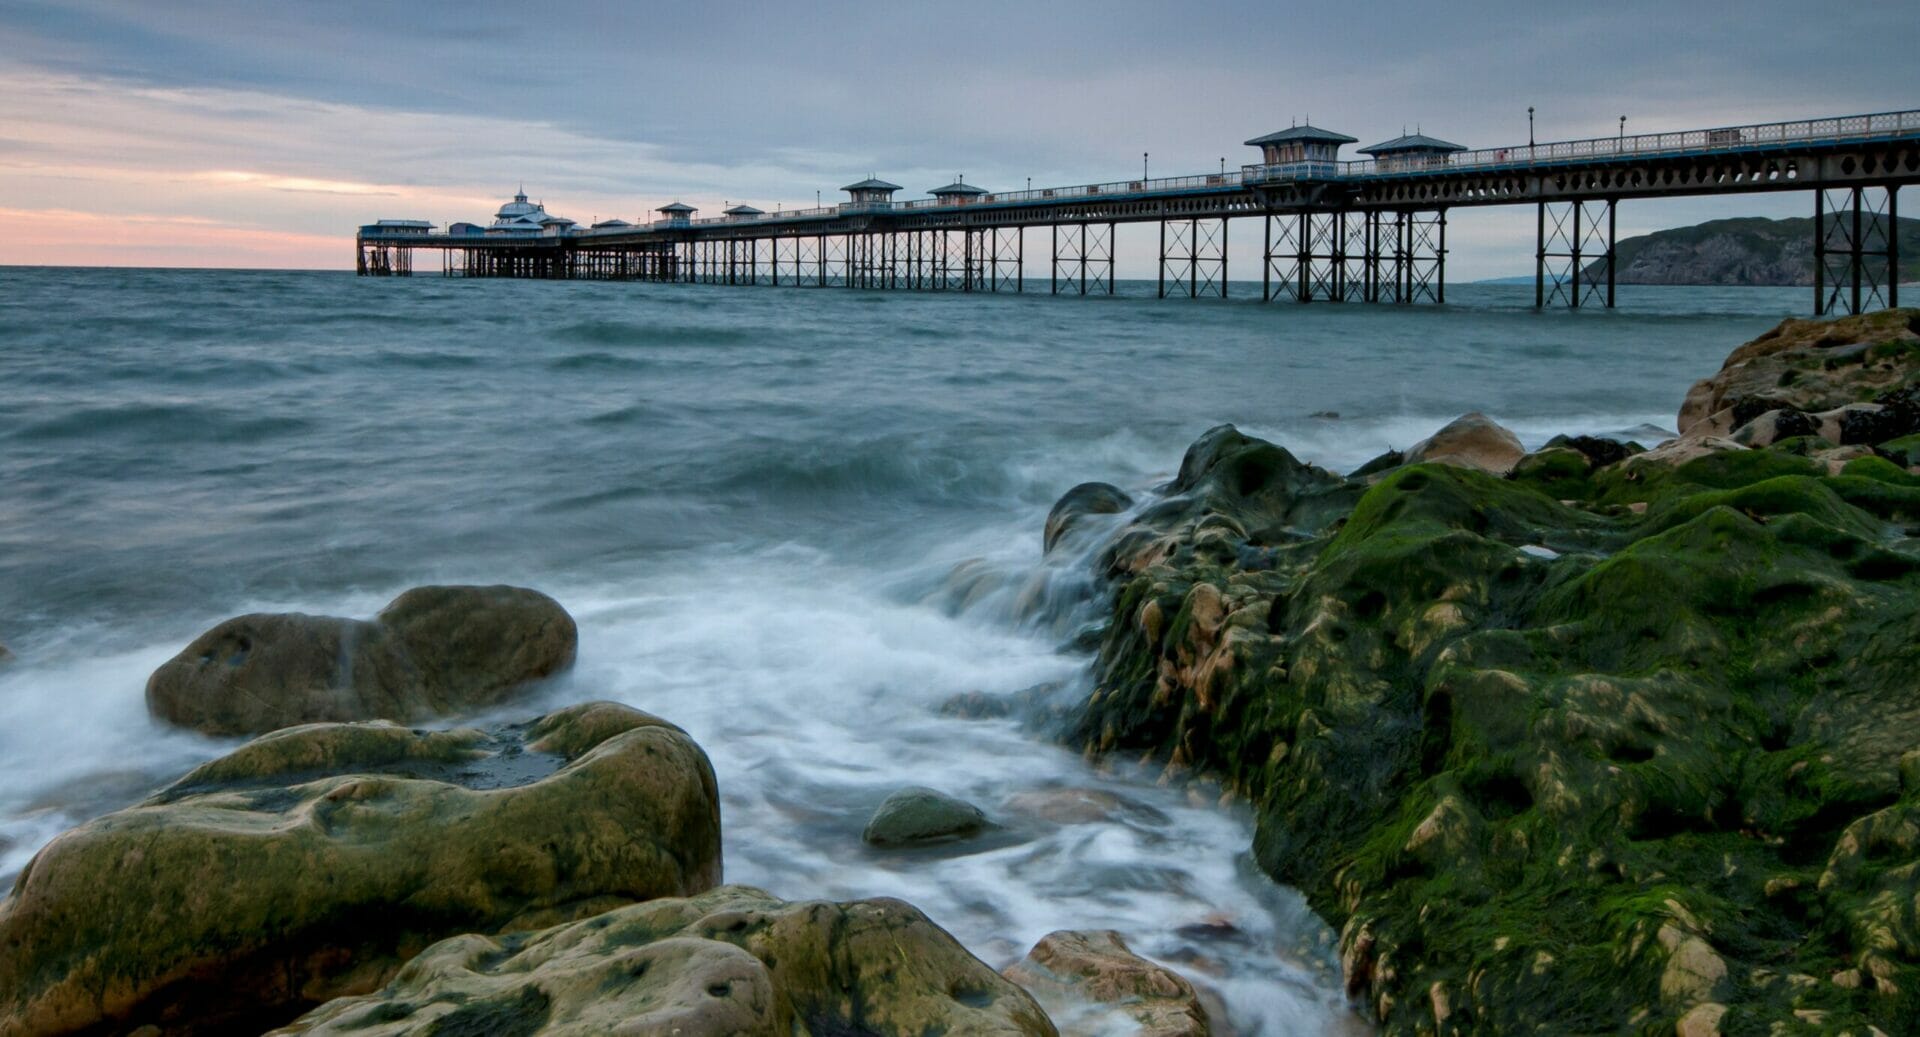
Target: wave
x,y
624,333
632,415
901,466
424,359
599,361
162,423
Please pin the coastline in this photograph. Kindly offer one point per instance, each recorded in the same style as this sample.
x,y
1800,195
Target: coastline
x,y
1568,740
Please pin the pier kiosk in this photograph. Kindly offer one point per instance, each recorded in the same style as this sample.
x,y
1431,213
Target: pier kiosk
x,y
957,193
1412,151
871,193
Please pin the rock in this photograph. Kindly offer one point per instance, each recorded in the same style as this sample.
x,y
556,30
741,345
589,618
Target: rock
x,y
1088,498
1868,424
1775,425
922,815
1083,976
1553,464
1067,806
1904,451
6,654
1694,971
1599,450
474,645
310,863
1246,489
1836,459
1453,748
1471,440
435,651
1701,1021
1384,463
1806,365
978,705
730,961
1675,452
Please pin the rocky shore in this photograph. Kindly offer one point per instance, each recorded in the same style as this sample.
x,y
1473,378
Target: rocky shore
x,y
1594,738
560,875
1597,737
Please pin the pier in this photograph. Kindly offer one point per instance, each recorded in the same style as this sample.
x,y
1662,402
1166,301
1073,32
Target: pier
x,y
1332,230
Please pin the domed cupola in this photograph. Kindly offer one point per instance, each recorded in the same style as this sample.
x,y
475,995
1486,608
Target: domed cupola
x,y
517,208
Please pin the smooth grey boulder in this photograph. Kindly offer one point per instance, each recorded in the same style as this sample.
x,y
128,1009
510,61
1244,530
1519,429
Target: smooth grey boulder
x,y
922,815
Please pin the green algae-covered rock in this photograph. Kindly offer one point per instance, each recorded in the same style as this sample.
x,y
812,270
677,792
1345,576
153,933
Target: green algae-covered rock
x,y
922,815
434,651
733,960
310,863
1574,751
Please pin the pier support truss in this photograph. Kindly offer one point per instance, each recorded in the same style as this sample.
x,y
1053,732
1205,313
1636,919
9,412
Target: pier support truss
x,y
1374,256
744,260
1083,258
384,261
1856,249
1193,257
1007,270
1572,238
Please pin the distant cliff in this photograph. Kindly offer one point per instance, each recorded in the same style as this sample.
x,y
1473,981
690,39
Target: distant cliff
x,y
1745,251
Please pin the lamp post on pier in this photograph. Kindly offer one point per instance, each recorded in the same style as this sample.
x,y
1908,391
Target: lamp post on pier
x,y
1143,165
1529,126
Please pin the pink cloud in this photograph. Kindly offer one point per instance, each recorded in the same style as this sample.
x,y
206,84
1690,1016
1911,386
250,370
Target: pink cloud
x,y
67,237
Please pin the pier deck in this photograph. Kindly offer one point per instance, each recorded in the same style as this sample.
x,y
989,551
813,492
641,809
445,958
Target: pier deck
x,y
1370,230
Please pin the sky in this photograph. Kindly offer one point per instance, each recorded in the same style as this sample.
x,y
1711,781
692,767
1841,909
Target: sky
x,y
260,134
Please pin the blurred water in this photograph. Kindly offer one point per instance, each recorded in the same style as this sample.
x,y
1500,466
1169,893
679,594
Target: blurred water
x,y
753,501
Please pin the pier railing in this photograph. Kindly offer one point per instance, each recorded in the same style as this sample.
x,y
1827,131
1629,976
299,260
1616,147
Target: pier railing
x,y
1639,145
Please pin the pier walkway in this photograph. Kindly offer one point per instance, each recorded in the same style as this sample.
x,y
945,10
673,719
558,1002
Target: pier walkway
x,y
1372,230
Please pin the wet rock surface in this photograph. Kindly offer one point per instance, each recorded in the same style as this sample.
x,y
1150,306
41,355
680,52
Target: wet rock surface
x,y
734,960
1085,978
1090,498
1603,744
434,651
917,816
1806,365
1470,441
312,862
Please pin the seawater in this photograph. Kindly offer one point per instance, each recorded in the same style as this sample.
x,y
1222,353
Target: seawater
x,y
755,502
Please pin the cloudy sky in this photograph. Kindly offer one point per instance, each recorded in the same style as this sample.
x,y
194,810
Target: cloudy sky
x,y
250,133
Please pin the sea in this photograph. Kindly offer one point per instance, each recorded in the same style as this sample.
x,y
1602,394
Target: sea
x,y
795,522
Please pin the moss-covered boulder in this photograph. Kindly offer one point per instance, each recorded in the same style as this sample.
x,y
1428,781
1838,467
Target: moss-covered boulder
x,y
1809,366
1580,750
434,651
310,863
1092,983
730,961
